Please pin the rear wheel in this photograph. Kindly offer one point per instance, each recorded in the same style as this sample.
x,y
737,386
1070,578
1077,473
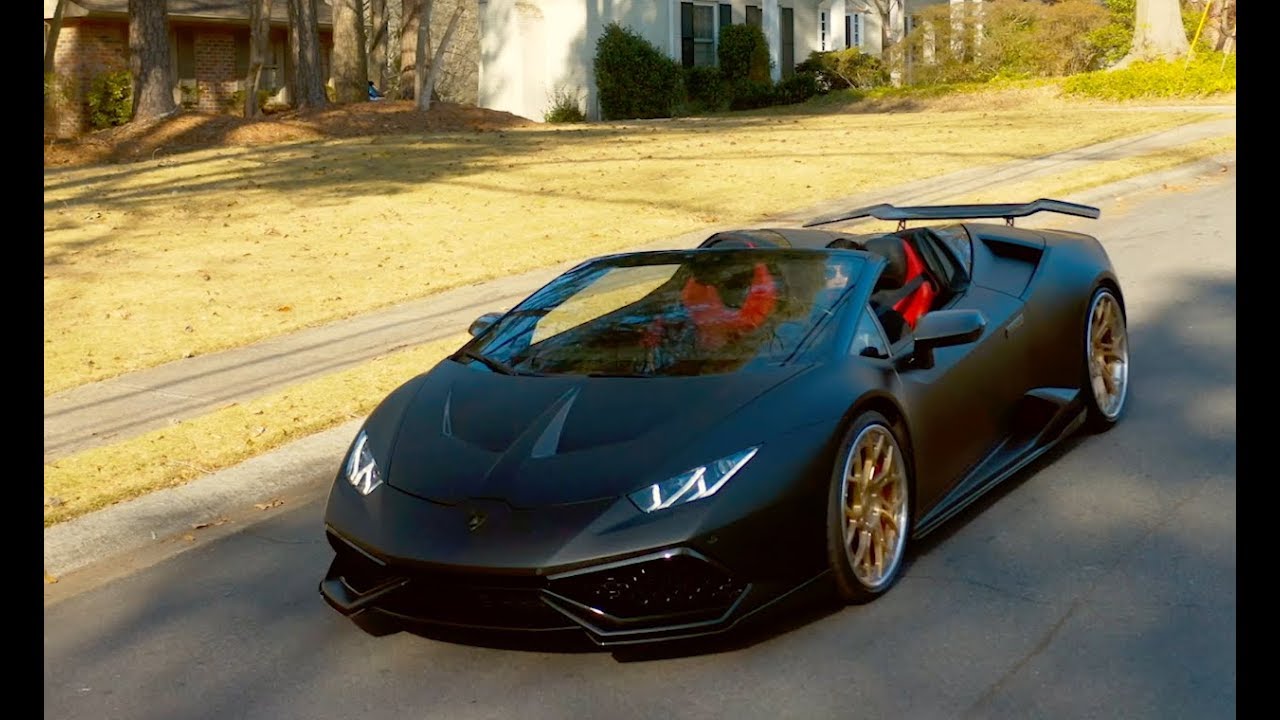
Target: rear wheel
x,y
1106,361
868,513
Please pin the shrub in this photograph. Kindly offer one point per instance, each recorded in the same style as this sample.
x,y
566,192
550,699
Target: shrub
x,y
110,99
634,78
1020,38
796,89
750,94
235,102
705,90
566,106
1208,73
743,54
840,69
1112,41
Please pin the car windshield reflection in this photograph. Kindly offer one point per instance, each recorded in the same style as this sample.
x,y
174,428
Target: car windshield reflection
x,y
670,314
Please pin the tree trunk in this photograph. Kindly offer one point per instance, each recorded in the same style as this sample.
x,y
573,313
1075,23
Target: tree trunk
x,y
1157,32
259,37
378,43
304,46
428,90
350,67
408,45
149,60
422,51
51,42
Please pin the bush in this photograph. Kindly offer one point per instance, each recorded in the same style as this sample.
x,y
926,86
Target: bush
x,y
235,102
705,90
1112,41
796,89
1020,39
750,94
1208,73
634,78
566,106
743,54
840,69
111,99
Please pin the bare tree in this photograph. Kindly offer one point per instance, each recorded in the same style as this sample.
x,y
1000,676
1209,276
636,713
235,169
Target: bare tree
x,y
149,60
426,86
1220,25
890,13
408,45
1157,32
350,66
51,40
259,37
304,46
378,26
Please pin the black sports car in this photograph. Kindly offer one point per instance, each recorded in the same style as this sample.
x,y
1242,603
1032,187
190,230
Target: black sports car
x,y
660,444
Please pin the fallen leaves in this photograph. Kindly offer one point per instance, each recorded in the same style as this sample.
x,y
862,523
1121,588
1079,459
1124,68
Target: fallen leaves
x,y
269,504
210,523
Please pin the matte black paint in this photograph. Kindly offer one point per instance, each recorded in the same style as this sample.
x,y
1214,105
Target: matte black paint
x,y
546,462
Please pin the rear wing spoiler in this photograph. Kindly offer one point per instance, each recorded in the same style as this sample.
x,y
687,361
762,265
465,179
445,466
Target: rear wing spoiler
x,y
1008,211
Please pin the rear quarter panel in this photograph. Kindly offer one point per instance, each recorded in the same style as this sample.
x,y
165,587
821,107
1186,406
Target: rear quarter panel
x,y
1056,300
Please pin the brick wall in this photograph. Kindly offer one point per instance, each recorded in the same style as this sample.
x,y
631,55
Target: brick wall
x,y
85,50
215,55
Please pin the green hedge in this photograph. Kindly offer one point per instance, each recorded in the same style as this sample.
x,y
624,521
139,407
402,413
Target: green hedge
x,y
111,99
634,78
743,54
1208,73
705,90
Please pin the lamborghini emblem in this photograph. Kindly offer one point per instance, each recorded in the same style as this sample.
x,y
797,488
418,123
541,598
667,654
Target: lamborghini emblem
x,y
475,520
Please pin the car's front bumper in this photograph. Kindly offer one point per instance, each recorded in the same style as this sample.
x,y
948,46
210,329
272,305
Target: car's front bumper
x,y
667,594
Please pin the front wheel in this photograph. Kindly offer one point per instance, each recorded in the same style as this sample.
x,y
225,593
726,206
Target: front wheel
x,y
868,513
1106,360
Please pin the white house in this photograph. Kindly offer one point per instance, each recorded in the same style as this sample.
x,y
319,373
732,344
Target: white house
x,y
530,49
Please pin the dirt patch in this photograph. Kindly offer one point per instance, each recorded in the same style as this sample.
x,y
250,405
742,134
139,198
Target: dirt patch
x,y
187,131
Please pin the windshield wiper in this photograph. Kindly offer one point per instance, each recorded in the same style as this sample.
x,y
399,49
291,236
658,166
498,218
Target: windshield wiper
x,y
492,363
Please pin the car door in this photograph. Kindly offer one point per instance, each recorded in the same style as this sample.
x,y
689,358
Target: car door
x,y
960,404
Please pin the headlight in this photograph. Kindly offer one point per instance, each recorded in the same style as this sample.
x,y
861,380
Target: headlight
x,y
695,484
362,470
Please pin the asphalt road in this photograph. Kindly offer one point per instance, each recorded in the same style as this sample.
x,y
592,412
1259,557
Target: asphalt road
x,y
1101,583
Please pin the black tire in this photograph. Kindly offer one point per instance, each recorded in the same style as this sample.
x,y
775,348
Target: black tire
x,y
853,546
1105,373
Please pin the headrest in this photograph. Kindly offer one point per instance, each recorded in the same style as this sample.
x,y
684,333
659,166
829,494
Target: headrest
x,y
733,239
891,248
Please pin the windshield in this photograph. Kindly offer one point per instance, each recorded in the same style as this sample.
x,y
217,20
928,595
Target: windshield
x,y
669,313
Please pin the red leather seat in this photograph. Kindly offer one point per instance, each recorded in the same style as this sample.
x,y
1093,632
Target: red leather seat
x,y
903,285
718,323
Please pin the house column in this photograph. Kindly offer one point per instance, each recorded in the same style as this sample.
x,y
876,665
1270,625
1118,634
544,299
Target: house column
x,y
897,30
836,18
771,19
673,28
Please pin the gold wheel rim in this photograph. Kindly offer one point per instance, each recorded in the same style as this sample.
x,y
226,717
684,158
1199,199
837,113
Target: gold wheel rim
x,y
874,499
1108,345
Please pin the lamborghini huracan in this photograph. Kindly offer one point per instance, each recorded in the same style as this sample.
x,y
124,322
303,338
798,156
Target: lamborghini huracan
x,y
659,445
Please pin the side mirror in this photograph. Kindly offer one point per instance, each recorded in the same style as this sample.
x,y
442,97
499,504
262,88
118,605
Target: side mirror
x,y
944,328
482,324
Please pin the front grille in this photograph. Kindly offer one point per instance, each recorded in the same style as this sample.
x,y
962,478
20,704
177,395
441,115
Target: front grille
x,y
452,598
679,585
473,606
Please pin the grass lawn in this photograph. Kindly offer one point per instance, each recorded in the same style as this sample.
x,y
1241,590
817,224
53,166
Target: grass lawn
x,y
154,261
